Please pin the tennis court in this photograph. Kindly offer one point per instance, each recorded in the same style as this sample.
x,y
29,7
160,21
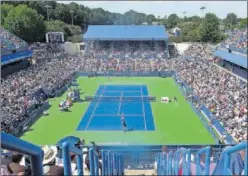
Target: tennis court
x,y
111,102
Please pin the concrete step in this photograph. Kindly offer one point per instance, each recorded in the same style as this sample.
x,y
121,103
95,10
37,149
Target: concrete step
x,y
140,172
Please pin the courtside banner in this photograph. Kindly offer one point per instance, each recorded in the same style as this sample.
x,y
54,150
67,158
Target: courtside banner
x,y
164,99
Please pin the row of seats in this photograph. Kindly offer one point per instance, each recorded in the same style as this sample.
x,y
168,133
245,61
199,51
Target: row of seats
x,y
10,42
236,41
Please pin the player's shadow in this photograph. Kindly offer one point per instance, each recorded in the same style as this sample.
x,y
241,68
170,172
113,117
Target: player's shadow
x,y
66,110
130,129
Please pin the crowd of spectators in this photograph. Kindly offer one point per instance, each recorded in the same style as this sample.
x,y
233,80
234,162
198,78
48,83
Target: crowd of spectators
x,y
126,50
18,89
10,42
236,41
224,94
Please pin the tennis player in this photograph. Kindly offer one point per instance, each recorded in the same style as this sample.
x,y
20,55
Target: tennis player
x,y
175,98
124,124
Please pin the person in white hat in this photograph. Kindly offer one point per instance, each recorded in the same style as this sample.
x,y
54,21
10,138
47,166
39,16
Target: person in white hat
x,y
50,153
49,167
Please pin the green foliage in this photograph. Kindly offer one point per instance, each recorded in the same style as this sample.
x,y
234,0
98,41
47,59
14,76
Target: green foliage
x,y
172,21
231,21
74,30
209,29
190,31
5,9
60,26
26,23
75,39
175,39
243,23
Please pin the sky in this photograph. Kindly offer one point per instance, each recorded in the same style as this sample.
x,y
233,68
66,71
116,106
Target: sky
x,y
162,8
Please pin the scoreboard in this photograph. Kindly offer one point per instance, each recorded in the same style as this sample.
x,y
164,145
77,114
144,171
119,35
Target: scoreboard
x,y
55,37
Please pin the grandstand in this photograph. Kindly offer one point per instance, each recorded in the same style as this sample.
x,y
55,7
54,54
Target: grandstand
x,y
14,53
134,41
123,73
232,52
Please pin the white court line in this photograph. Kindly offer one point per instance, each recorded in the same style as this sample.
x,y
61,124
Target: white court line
x,y
92,114
119,109
143,108
118,115
121,91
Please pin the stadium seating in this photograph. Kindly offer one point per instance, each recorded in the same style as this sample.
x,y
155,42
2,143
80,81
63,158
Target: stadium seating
x,y
10,42
182,161
237,41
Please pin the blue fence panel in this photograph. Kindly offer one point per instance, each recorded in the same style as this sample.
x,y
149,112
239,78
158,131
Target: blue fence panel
x,y
16,56
112,163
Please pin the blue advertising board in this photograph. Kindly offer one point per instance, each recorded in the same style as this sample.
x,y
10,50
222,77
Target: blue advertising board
x,y
12,57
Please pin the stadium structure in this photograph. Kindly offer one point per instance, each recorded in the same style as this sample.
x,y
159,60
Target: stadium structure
x,y
193,141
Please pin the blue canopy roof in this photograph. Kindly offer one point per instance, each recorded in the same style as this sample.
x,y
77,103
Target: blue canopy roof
x,y
231,57
126,32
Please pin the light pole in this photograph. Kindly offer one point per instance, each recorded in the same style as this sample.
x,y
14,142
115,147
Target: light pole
x,y
47,7
202,9
184,15
71,11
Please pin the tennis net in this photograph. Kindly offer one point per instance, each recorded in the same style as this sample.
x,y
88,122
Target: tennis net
x,y
121,98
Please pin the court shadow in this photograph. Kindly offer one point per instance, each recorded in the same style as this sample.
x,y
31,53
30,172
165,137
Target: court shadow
x,y
66,110
130,129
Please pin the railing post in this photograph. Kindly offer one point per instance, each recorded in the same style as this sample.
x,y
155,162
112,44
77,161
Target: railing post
x,y
170,163
104,164
66,158
206,152
164,158
91,158
80,169
176,165
188,162
96,162
109,163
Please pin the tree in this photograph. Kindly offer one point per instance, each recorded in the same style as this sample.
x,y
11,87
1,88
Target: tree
x,y
172,20
150,19
194,19
190,31
209,29
243,23
26,23
74,30
231,20
5,8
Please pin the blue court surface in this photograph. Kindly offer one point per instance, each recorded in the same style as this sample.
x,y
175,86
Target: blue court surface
x,y
106,115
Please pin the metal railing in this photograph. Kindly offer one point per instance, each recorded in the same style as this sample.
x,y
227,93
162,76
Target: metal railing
x,y
229,152
180,161
205,151
12,143
112,163
67,148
